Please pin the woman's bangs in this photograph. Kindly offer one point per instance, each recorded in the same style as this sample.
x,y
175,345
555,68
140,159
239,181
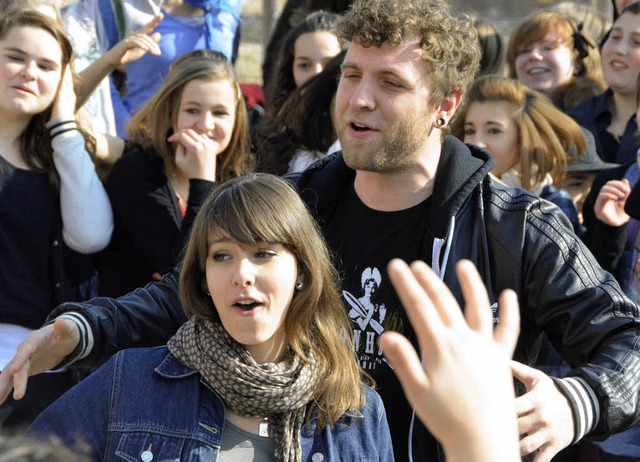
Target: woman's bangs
x,y
249,220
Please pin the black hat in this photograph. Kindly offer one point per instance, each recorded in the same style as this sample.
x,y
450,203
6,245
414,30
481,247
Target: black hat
x,y
590,161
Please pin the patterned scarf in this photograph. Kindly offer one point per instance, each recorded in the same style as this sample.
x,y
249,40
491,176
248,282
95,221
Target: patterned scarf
x,y
280,391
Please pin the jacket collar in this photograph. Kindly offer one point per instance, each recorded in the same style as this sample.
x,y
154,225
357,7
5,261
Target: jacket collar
x,y
460,169
171,368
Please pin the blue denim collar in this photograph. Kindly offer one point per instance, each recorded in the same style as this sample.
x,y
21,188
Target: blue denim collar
x,y
171,368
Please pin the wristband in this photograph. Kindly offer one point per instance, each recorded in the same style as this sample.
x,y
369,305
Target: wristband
x,y
64,130
58,123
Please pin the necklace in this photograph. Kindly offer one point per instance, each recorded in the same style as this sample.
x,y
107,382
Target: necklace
x,y
263,429
248,424
180,189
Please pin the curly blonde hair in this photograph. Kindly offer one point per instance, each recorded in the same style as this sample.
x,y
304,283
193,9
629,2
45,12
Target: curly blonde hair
x,y
449,40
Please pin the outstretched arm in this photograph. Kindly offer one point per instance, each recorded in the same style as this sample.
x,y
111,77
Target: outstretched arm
x,y
42,350
87,334
463,389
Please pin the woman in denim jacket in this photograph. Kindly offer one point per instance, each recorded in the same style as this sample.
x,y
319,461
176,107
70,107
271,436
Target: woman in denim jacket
x,y
264,368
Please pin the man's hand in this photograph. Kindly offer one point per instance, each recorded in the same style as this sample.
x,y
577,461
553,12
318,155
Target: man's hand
x,y
42,350
464,393
544,414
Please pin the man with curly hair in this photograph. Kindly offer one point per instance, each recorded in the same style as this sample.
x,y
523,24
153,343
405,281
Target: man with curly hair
x,y
402,188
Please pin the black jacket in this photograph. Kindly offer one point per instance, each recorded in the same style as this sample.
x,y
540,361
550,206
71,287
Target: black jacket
x,y
516,241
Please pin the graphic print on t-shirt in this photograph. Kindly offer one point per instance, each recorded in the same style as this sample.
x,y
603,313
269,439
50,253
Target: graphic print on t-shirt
x,y
364,310
368,316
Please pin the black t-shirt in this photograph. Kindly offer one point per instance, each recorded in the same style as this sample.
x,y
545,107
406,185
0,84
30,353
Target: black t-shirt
x,y
363,242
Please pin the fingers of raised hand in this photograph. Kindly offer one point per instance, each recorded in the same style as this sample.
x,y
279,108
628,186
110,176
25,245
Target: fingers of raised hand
x,y
543,442
423,317
406,364
477,311
143,42
64,104
20,377
148,27
507,331
441,298
6,383
612,193
16,373
194,142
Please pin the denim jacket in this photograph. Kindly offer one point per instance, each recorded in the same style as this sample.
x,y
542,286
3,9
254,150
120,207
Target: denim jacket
x,y
145,405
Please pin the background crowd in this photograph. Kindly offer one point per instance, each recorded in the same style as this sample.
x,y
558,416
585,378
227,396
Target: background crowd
x,y
125,142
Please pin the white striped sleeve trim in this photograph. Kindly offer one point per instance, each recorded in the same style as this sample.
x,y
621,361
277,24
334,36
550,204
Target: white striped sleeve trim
x,y
86,337
584,405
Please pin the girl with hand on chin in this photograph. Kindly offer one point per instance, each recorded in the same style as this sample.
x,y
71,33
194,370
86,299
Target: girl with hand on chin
x,y
263,370
52,205
191,135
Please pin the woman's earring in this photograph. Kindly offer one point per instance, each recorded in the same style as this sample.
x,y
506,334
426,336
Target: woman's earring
x,y
440,122
299,285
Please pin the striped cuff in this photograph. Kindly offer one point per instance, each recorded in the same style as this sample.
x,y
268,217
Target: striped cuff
x,y
85,345
58,126
584,405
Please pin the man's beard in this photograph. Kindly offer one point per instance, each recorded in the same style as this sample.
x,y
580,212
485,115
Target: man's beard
x,y
399,149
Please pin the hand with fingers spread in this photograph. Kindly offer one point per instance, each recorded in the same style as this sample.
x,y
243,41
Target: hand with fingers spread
x,y
195,154
609,205
42,350
464,393
135,45
545,419
127,50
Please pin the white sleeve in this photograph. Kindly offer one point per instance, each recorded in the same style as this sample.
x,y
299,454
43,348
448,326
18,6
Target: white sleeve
x,y
87,219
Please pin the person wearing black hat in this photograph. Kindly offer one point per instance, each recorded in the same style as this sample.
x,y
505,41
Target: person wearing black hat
x,y
581,173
